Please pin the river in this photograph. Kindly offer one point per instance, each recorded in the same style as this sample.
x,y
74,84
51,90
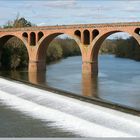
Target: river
x,y
118,82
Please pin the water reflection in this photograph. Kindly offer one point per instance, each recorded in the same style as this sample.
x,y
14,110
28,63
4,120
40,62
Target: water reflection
x,y
15,74
37,77
118,80
89,85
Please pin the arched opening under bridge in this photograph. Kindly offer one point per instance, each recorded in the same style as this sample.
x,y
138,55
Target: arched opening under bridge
x,y
13,53
118,72
54,50
102,42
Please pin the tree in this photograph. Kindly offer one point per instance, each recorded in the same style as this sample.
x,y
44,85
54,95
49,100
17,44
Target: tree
x,y
19,22
54,52
13,53
9,24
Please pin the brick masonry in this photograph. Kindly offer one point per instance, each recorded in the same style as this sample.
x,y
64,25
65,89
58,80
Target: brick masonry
x,y
89,38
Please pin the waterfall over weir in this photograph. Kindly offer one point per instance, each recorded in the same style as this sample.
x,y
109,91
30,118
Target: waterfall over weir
x,y
72,115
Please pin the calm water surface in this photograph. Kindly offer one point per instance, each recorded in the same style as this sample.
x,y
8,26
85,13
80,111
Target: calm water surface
x,y
118,82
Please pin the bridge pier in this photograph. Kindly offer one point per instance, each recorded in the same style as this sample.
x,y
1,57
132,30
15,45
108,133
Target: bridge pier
x,y
90,67
36,66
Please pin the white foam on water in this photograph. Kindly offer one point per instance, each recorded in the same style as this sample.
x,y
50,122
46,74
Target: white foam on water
x,y
60,119
76,116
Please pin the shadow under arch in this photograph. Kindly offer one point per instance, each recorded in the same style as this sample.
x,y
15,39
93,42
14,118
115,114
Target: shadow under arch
x,y
45,42
5,38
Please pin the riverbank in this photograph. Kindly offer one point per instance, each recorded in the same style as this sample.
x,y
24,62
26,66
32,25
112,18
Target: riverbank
x,y
74,116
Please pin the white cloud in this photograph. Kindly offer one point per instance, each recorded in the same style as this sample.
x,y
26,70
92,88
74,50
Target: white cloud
x,y
71,11
50,4
61,4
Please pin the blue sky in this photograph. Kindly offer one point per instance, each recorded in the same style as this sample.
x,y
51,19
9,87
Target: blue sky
x,y
63,12
52,12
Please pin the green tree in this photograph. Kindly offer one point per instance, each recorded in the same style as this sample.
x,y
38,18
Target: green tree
x,y
19,22
54,52
108,47
13,53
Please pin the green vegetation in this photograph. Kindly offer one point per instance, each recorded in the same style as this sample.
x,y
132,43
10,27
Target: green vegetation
x,y
13,53
18,23
125,48
108,47
61,48
128,48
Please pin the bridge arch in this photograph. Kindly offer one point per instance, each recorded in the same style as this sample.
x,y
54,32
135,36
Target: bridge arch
x,y
40,35
32,39
95,32
37,62
78,33
137,31
25,36
46,40
96,45
86,34
6,37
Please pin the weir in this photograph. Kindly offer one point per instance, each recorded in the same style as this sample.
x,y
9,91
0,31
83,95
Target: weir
x,y
78,117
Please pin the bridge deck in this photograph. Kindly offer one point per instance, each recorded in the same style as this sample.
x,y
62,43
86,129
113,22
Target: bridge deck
x,y
72,26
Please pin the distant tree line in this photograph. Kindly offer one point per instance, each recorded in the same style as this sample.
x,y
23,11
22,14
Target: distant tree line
x,y
62,48
108,47
125,48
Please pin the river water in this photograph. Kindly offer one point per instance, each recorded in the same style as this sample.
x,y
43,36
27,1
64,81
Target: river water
x,y
118,82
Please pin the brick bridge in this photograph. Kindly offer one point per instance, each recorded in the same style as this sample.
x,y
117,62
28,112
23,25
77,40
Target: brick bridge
x,y
89,38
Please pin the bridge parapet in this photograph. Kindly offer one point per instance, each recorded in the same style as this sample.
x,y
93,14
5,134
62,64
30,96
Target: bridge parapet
x,y
75,26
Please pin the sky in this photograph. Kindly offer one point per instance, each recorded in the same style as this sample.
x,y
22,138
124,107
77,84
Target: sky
x,y
63,12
